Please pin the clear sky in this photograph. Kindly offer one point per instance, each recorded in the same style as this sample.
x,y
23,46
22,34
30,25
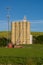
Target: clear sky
x,y
32,9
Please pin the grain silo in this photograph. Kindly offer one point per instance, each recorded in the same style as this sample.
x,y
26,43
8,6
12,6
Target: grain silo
x,y
13,29
20,32
28,32
17,32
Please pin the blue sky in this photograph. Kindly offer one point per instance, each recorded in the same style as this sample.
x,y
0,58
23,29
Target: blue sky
x,y
32,9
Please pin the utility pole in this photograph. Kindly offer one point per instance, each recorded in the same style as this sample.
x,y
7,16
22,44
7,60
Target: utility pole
x,y
8,18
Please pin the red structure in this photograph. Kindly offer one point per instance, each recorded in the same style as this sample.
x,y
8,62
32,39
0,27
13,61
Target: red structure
x,y
10,45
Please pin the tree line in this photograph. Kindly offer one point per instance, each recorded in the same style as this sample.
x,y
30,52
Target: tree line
x,y
38,39
4,42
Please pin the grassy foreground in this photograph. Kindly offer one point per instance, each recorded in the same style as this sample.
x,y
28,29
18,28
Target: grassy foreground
x,y
29,55
28,51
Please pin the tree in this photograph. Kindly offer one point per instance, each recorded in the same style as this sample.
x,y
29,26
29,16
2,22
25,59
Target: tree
x,y
40,39
3,42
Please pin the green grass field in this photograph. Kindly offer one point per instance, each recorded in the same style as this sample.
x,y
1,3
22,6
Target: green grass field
x,y
29,51
29,55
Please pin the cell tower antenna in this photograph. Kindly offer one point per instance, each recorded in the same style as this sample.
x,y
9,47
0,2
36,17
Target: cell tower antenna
x,y
8,18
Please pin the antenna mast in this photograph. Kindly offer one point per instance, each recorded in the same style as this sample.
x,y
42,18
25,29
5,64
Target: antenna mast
x,y
8,17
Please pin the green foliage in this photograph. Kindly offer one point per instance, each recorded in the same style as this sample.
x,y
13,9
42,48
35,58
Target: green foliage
x,y
37,33
5,34
3,42
4,38
38,39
